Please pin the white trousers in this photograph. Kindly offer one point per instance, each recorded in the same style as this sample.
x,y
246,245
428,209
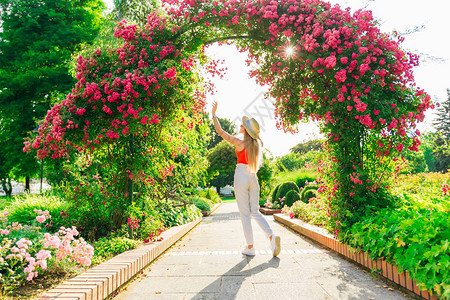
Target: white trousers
x,y
246,190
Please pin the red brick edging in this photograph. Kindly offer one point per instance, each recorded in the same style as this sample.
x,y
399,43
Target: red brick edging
x,y
103,280
269,211
384,268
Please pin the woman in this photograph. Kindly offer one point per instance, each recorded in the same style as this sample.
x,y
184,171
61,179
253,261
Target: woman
x,y
246,186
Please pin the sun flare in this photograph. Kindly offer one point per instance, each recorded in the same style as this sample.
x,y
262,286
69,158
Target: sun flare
x,y
289,51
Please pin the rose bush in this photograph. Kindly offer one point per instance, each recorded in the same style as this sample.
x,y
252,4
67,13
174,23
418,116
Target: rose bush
x,y
27,251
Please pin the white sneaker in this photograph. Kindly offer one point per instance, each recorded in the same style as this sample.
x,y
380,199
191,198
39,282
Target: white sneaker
x,y
275,245
249,252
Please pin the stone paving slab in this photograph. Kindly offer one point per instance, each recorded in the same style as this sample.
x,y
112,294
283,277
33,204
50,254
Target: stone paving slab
x,y
207,264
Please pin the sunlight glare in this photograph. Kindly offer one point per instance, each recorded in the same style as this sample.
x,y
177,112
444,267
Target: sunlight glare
x,y
289,51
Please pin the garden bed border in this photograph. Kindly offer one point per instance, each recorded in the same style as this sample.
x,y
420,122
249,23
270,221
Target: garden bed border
x,y
386,270
269,211
103,280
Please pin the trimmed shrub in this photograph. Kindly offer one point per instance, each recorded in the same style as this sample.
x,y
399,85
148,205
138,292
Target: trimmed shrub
x,y
274,194
286,187
107,247
308,192
300,180
291,197
202,204
261,202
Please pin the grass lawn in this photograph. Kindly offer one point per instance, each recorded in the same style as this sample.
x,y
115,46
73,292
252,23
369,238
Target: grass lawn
x,y
228,199
5,201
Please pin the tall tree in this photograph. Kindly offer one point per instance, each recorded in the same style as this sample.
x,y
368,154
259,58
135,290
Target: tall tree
x,y
313,145
37,38
442,122
441,152
134,11
226,125
222,160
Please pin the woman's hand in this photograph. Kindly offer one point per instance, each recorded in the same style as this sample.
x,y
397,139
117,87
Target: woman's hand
x,y
214,108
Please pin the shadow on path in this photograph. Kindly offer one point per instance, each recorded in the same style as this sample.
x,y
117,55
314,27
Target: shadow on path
x,y
230,282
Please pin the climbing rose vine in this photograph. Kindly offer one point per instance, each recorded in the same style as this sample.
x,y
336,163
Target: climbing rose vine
x,y
320,61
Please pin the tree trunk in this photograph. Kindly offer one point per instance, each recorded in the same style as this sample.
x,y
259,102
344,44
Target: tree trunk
x,y
27,183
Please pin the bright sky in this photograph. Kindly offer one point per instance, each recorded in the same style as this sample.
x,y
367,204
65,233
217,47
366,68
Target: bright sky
x,y
239,95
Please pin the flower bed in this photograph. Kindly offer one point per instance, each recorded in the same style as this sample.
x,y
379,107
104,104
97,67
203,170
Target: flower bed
x,y
103,280
382,267
27,251
416,241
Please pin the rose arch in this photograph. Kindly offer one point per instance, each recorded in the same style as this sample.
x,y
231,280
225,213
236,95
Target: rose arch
x,y
321,63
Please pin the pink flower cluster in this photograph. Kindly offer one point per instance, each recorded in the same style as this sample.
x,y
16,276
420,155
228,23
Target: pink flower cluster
x,y
133,223
53,248
42,215
445,189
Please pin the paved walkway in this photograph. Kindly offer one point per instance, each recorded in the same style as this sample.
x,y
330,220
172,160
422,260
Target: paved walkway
x,y
207,264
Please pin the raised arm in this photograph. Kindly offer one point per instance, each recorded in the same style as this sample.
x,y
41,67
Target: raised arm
x,y
225,135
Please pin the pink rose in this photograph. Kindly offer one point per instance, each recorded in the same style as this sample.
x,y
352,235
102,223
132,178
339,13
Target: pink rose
x,y
40,219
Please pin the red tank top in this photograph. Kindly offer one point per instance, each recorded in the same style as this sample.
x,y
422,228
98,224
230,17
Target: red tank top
x,y
242,157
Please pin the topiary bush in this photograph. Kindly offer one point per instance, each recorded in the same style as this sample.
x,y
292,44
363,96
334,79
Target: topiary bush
x,y
286,187
291,197
308,192
274,194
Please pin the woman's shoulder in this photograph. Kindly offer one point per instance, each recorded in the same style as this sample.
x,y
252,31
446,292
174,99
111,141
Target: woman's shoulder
x,y
239,146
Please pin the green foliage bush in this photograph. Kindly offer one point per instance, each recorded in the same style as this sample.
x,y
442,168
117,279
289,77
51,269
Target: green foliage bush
x,y
315,212
286,187
305,177
107,247
266,175
202,204
22,209
274,193
211,195
298,208
294,161
290,162
308,192
414,240
174,216
291,197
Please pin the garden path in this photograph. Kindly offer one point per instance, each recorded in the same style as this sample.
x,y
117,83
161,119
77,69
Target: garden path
x,y
207,264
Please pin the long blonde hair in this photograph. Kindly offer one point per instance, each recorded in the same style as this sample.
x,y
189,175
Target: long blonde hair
x,y
252,147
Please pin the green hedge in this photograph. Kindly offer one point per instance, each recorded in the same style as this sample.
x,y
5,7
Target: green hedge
x,y
417,241
301,179
107,247
291,197
274,194
286,187
308,192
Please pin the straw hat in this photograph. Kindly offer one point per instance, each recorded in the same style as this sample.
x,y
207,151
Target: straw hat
x,y
251,126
